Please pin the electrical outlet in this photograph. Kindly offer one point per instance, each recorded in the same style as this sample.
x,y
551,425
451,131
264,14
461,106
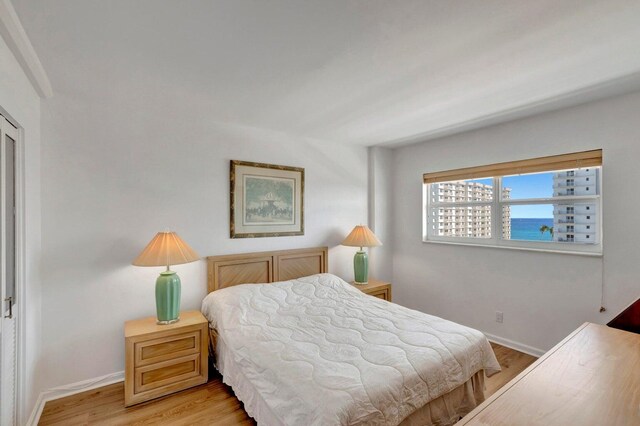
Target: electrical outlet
x,y
498,316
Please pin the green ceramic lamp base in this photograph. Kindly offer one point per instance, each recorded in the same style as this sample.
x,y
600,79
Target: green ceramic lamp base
x,y
168,322
168,298
361,267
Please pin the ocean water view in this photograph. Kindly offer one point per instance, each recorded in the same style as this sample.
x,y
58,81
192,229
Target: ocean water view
x,y
529,229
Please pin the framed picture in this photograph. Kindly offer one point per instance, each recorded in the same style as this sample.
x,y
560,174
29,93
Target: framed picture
x,y
266,200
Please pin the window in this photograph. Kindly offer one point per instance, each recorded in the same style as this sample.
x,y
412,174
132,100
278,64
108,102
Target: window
x,y
522,204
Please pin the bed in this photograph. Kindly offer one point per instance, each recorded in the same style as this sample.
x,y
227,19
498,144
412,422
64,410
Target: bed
x,y
302,347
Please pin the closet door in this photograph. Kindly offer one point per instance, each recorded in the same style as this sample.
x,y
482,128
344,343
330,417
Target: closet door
x,y
8,336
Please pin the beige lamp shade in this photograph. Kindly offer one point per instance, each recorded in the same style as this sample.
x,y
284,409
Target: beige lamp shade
x,y
361,236
166,249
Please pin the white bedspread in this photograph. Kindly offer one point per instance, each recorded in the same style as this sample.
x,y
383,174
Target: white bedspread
x,y
316,351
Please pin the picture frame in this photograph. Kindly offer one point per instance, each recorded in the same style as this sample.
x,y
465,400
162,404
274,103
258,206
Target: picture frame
x,y
266,200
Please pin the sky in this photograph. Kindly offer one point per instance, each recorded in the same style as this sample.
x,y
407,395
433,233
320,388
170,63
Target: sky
x,y
536,185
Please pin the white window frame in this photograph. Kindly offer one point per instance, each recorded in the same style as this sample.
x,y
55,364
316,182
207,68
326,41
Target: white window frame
x,y
497,203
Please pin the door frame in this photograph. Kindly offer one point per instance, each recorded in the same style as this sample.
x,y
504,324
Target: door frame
x,y
20,266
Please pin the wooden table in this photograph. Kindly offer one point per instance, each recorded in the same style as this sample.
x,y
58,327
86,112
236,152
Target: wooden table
x,y
592,377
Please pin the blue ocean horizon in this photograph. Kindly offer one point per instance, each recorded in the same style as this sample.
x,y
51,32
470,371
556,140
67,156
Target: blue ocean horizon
x,y
529,229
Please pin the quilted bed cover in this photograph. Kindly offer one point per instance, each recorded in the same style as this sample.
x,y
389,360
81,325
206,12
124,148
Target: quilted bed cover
x,y
317,351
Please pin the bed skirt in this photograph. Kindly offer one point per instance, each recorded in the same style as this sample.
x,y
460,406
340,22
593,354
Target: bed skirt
x,y
450,407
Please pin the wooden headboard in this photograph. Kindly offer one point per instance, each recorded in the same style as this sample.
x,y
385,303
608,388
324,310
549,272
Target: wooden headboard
x,y
264,267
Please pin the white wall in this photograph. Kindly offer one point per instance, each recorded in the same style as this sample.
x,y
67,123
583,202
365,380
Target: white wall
x,y
543,296
381,211
121,166
20,101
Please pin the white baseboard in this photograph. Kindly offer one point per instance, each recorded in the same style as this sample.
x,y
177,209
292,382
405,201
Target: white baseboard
x,y
70,389
512,344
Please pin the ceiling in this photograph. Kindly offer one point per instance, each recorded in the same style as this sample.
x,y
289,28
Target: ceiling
x,y
364,72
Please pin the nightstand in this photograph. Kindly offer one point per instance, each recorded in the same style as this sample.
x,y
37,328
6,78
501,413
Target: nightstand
x,y
379,289
162,359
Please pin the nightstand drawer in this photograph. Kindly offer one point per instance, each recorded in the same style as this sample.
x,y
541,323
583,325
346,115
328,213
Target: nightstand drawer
x,y
166,373
382,294
167,348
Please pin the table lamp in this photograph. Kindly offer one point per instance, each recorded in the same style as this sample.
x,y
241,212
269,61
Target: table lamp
x,y
167,249
361,236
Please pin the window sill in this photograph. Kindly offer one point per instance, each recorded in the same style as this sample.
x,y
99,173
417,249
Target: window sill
x,y
541,250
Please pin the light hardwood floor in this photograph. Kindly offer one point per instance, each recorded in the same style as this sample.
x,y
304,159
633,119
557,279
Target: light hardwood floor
x,y
210,404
